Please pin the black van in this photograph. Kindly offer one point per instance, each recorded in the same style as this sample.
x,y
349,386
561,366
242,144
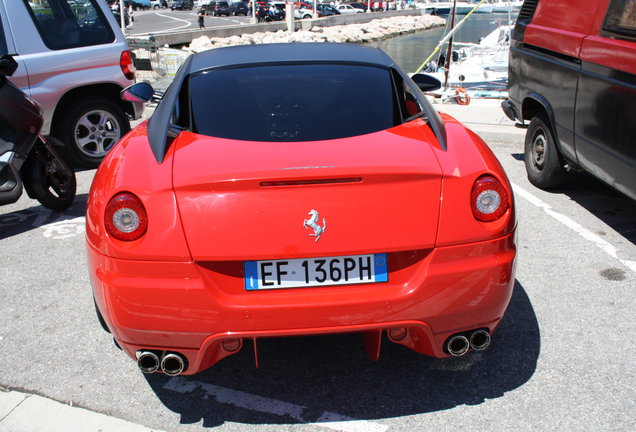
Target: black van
x,y
572,75
182,5
216,8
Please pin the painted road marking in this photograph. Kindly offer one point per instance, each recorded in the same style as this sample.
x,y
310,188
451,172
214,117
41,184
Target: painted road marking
x,y
574,226
262,404
187,24
62,229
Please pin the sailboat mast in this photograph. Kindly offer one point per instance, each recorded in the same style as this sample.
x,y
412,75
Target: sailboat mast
x,y
449,51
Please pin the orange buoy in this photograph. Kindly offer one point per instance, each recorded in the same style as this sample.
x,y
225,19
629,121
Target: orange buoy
x,y
461,96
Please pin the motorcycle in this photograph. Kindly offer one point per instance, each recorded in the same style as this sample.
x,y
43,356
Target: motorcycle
x,y
264,14
28,159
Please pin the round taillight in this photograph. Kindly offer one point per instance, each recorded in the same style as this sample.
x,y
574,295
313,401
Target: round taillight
x,y
127,66
488,199
125,217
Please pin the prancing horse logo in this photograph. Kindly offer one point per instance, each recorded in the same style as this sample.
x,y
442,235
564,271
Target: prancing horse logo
x,y
313,223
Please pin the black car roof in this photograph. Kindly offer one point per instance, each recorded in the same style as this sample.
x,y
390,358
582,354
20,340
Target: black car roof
x,y
271,54
244,55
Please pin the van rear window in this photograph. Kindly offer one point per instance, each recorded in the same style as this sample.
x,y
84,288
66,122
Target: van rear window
x,y
621,19
66,24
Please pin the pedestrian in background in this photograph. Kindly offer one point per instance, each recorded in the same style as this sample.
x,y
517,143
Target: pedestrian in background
x,y
201,18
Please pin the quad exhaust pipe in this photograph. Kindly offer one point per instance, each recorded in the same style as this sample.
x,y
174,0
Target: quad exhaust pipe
x,y
148,362
172,364
459,344
480,340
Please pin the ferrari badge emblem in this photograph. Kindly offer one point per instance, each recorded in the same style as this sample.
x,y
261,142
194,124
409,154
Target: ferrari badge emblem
x,y
312,222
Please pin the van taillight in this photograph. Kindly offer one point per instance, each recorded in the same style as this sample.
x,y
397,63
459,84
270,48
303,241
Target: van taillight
x,y
127,65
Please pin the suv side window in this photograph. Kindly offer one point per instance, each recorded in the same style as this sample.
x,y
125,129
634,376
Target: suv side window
x,y
66,24
620,20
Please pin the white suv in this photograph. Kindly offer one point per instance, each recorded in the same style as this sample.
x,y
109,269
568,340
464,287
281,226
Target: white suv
x,y
74,60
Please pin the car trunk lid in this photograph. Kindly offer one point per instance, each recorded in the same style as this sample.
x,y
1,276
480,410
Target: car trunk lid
x,y
242,200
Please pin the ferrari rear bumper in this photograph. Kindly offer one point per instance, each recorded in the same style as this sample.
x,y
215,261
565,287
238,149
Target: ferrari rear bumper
x,y
202,311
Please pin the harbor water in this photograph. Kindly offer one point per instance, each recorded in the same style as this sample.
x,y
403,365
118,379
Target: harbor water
x,y
409,51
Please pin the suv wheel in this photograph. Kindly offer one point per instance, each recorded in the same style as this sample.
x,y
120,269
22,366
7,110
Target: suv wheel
x,y
541,156
90,129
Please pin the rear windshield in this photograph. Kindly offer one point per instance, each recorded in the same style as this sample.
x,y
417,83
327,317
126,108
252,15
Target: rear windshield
x,y
293,102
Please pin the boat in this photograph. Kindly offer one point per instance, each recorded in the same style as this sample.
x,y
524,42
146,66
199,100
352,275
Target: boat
x,y
439,7
463,8
435,7
480,68
505,6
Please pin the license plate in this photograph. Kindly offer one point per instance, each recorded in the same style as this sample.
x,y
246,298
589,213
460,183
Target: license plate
x,y
310,272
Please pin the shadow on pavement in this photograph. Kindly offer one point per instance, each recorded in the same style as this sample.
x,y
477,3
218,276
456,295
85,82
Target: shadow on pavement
x,y
37,216
604,202
317,379
600,199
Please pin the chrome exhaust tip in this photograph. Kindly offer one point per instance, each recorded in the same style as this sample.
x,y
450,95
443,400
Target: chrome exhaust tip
x,y
480,340
172,364
457,345
148,362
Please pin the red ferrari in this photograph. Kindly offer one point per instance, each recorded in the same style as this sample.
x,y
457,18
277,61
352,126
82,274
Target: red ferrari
x,y
297,189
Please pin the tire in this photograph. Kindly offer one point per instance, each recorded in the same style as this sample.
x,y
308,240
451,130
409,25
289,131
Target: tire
x,y
89,129
543,162
48,179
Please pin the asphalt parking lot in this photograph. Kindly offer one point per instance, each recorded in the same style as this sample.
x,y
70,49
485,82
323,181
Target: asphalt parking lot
x,y
562,358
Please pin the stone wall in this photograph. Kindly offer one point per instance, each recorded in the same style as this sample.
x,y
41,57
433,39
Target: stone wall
x,y
353,33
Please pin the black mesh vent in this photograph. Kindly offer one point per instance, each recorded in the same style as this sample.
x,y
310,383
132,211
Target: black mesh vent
x,y
527,11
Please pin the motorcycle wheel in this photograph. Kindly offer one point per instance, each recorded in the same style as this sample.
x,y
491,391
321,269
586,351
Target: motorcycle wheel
x,y
47,178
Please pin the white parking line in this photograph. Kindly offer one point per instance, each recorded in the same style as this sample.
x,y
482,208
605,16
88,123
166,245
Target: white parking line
x,y
252,402
187,24
574,226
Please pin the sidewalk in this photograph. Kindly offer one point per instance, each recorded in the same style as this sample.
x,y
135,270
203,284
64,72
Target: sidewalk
x,y
22,412
486,118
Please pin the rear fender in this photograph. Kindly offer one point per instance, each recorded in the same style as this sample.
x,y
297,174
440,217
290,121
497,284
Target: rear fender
x,y
131,167
467,159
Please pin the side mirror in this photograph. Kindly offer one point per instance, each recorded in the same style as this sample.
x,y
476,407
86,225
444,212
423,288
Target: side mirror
x,y
7,65
426,83
140,92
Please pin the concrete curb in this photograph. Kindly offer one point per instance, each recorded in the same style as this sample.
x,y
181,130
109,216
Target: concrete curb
x,y
486,118
22,412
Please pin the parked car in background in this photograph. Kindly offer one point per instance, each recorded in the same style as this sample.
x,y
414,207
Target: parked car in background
x,y
182,5
140,4
159,4
346,9
216,8
326,10
572,76
304,11
239,8
74,61
359,5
